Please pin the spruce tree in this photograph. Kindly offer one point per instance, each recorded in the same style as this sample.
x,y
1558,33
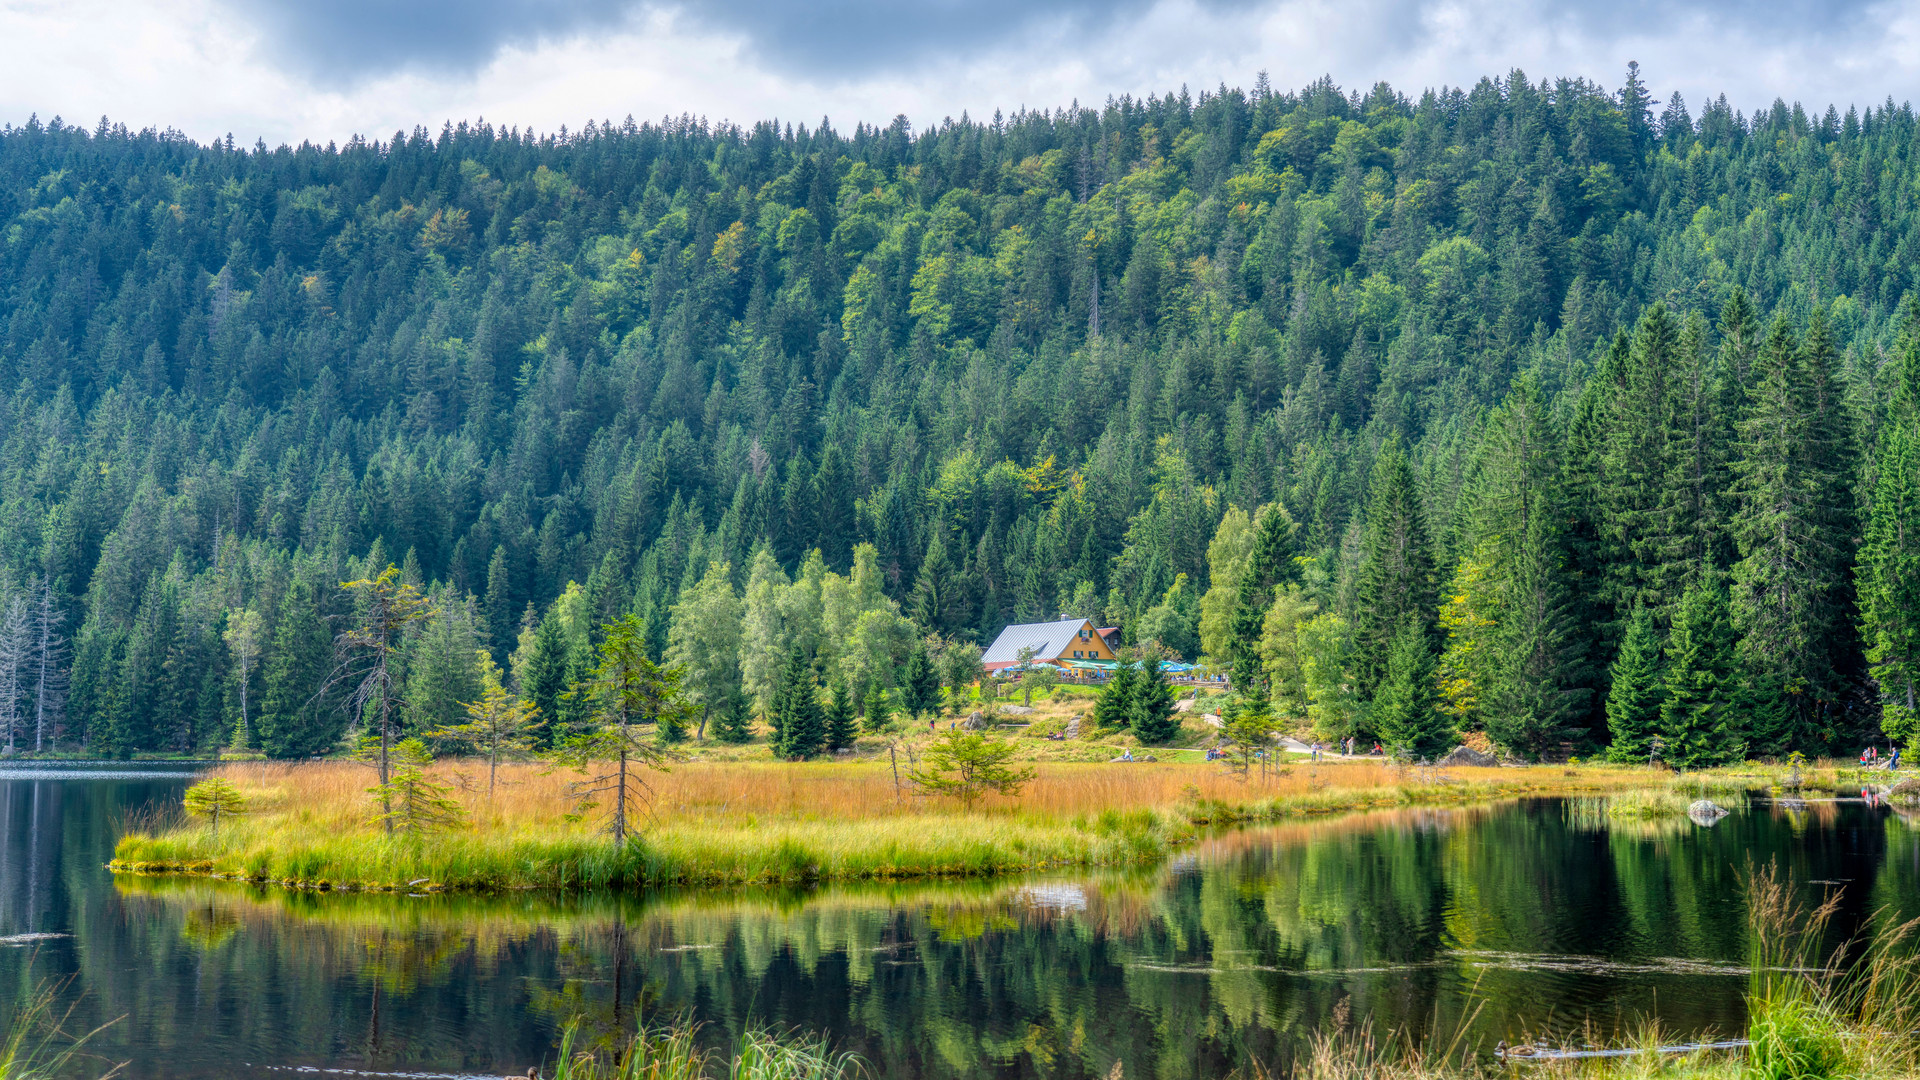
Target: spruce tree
x,y
544,675
733,721
1113,709
1635,462
1698,717
1396,586
1634,702
1150,711
293,721
1406,709
842,726
920,683
879,711
799,724
1792,602
1530,661
1269,565
1889,570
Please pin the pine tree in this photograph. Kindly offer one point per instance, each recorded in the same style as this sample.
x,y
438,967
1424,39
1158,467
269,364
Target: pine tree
x,y
1396,581
1634,702
295,721
1150,711
1406,709
1698,715
842,726
799,725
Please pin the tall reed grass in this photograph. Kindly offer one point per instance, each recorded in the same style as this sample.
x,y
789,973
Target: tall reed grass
x,y
674,1053
38,1044
715,823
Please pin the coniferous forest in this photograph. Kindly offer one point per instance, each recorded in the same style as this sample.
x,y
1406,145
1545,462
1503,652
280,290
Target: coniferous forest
x,y
1548,410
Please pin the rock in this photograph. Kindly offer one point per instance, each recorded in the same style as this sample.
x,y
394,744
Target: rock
x,y
1017,710
1183,705
1213,719
1468,756
1706,812
1073,727
1906,791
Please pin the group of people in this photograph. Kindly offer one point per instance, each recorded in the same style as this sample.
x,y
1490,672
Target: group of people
x,y
1870,758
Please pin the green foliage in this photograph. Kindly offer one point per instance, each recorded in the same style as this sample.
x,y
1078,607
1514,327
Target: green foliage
x,y
1698,716
1634,702
799,724
842,726
919,684
500,724
1113,709
1396,580
876,709
1406,711
1150,710
214,798
966,765
960,666
625,691
733,723
295,718
412,802
1309,307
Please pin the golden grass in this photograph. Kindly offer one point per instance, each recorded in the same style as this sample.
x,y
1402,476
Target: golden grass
x,y
740,822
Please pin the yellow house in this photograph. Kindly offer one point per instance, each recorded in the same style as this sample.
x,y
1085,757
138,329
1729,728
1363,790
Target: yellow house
x,y
1050,642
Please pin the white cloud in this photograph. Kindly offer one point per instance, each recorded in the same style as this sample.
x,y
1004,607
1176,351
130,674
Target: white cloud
x,y
199,66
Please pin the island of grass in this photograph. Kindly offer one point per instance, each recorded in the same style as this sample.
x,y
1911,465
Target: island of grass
x,y
735,822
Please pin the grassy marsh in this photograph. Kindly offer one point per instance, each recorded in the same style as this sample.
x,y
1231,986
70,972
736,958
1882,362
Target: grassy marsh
x,y
711,823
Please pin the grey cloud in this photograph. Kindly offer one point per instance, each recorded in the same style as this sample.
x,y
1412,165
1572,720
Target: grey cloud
x,y
340,41
841,41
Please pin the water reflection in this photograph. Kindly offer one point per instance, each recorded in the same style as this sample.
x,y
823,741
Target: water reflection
x,y
1517,921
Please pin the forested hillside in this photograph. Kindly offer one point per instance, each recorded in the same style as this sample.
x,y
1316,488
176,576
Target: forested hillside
x,y
1535,407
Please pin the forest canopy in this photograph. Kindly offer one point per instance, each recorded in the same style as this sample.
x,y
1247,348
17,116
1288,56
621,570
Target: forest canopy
x,y
1536,408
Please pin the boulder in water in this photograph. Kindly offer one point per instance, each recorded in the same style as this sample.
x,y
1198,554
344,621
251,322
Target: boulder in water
x,y
1467,755
1706,812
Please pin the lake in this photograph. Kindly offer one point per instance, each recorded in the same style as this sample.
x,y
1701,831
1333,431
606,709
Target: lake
x,y
1523,919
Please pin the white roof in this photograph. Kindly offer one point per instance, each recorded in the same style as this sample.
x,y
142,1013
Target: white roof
x,y
1046,639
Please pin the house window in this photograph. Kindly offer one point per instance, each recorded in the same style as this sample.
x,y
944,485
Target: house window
x,y
1076,654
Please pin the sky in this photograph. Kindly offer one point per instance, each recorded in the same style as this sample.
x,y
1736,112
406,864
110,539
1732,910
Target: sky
x,y
292,70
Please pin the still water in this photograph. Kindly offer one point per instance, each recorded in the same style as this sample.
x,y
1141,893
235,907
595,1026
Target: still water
x,y
1530,918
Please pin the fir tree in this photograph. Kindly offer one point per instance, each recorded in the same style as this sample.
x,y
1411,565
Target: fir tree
x,y
1792,598
1396,581
1634,702
1698,715
919,683
294,721
1150,711
879,711
1113,709
733,721
842,726
1269,564
1889,570
799,725
1406,709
